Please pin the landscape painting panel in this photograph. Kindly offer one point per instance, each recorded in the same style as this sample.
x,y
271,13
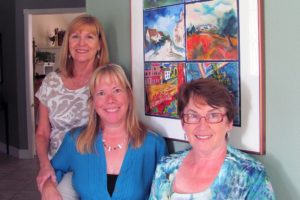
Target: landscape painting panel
x,y
159,3
164,34
162,82
225,72
212,30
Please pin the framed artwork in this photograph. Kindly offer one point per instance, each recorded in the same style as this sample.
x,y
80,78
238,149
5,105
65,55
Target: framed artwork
x,y
176,41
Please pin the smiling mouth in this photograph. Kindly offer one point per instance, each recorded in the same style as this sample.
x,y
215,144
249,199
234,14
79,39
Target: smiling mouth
x,y
203,137
81,51
112,110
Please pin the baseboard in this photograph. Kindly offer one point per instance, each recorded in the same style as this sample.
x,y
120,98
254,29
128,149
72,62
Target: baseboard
x,y
15,152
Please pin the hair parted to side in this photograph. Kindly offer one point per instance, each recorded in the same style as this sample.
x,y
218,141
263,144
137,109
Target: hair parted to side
x,y
87,22
135,129
207,90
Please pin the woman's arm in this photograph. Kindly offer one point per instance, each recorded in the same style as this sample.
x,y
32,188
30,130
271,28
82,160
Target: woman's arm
x,y
42,138
50,192
261,188
162,149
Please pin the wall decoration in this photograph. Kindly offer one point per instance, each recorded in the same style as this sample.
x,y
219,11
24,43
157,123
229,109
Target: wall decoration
x,y
212,30
164,34
176,41
162,81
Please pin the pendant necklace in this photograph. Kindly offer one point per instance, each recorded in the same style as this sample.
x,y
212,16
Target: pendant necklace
x,y
112,148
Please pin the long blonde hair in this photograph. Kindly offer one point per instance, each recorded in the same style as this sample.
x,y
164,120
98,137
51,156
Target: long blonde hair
x,y
135,129
93,24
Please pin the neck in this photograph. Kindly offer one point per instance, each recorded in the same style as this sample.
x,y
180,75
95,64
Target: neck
x,y
83,70
114,129
215,155
114,132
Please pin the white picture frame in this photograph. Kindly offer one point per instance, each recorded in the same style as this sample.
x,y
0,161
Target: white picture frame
x,y
250,136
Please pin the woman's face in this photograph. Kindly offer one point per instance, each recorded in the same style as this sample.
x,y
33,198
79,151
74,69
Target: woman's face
x,y
83,45
206,137
111,102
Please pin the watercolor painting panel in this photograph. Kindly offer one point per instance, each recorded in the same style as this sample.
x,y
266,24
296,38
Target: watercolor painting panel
x,y
212,30
162,81
225,72
164,34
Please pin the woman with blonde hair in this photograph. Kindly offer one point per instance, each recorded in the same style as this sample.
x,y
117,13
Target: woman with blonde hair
x,y
63,94
114,156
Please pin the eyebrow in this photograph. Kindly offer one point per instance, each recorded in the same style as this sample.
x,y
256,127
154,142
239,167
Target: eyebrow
x,y
211,110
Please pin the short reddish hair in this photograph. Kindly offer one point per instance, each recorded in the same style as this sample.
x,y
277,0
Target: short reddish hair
x,y
207,90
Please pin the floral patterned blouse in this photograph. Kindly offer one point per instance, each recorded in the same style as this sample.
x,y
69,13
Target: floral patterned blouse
x,y
240,177
67,108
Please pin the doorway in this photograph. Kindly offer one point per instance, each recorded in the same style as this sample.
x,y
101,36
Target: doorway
x,y
31,46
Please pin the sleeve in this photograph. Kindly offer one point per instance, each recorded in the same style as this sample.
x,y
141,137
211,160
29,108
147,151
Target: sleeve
x,y
61,162
161,149
41,94
262,188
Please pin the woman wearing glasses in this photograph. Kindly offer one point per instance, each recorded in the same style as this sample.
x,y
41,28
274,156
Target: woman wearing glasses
x,y
211,168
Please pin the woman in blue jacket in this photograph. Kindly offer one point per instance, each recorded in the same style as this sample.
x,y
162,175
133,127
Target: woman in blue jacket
x,y
114,156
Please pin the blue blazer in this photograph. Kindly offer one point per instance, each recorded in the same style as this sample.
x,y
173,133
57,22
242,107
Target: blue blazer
x,y
89,169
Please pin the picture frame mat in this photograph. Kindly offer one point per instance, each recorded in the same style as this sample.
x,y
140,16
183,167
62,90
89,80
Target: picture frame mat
x,y
250,137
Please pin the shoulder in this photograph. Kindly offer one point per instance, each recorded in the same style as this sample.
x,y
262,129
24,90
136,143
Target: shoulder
x,y
243,162
52,79
172,161
73,134
154,137
51,76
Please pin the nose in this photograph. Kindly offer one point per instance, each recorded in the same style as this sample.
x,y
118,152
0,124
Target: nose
x,y
202,121
81,41
110,98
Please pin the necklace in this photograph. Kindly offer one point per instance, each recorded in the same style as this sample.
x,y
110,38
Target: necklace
x,y
112,148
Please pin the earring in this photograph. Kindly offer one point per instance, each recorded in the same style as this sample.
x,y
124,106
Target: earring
x,y
69,56
227,135
185,136
98,54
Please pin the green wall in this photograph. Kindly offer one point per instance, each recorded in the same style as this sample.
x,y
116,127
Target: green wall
x,y
115,17
282,45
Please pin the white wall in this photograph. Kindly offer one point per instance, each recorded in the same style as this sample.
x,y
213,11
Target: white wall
x,y
43,24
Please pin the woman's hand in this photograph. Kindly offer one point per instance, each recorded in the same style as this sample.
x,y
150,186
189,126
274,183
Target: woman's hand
x,y
50,192
44,174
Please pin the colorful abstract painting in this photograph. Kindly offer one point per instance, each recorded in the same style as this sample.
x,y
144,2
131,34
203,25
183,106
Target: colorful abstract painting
x,y
225,72
186,40
212,30
164,34
162,81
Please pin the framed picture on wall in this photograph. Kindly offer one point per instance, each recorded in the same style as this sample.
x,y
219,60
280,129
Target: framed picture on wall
x,y
176,41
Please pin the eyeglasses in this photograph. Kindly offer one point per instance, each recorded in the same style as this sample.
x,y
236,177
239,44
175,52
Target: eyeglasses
x,y
195,118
